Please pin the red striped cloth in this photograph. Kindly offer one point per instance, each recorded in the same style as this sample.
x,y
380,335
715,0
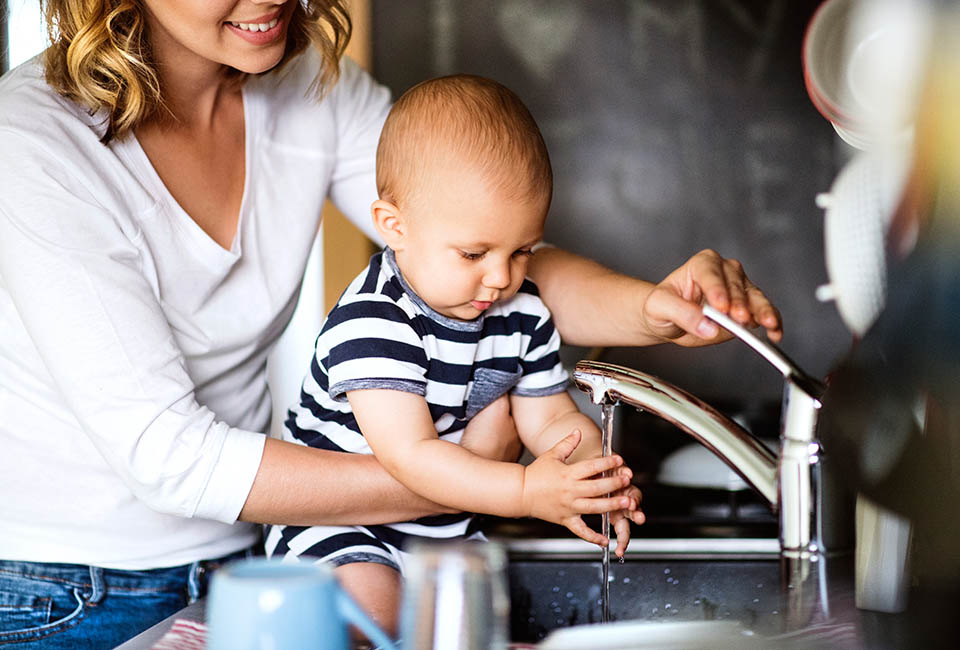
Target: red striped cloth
x,y
192,635
184,635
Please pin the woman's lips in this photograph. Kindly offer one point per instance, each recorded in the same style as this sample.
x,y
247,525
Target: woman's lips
x,y
261,32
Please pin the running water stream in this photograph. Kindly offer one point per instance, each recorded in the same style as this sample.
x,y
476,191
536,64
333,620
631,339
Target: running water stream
x,y
606,442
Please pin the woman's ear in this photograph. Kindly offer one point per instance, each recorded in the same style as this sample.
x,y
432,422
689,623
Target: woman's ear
x,y
389,222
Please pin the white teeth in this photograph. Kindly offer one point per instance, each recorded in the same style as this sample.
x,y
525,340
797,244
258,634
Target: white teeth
x,y
256,27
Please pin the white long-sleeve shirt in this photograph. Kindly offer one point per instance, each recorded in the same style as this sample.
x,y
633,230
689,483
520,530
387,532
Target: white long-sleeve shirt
x,y
133,347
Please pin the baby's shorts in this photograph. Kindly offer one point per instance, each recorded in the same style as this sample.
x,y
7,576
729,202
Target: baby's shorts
x,y
339,545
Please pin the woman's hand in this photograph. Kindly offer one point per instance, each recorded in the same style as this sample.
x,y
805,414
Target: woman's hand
x,y
492,433
594,306
672,310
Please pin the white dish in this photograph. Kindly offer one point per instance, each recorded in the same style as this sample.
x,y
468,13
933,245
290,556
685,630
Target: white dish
x,y
647,635
696,466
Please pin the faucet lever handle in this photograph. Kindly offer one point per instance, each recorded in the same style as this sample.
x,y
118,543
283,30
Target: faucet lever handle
x,y
774,355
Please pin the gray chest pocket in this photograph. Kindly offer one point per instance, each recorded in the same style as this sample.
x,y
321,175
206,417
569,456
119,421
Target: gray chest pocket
x,y
488,385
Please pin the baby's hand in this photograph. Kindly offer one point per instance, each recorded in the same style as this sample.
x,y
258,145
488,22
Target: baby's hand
x,y
620,519
560,493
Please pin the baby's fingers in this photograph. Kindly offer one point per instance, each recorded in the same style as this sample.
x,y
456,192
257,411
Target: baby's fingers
x,y
596,487
583,531
636,516
599,505
622,526
594,466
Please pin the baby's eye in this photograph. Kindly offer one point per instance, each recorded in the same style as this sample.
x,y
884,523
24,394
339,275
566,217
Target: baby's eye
x,y
471,256
523,252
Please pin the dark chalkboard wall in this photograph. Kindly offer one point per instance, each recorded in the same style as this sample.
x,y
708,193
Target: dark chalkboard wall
x,y
673,125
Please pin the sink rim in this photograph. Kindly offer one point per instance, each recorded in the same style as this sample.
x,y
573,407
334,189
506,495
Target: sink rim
x,y
752,548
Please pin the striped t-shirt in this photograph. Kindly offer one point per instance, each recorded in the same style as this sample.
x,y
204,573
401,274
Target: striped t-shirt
x,y
382,335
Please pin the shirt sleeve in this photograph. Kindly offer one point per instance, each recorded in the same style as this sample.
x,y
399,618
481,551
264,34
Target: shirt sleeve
x,y
371,344
361,106
543,373
73,273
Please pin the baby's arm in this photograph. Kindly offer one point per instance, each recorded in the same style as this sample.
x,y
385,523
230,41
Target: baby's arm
x,y
400,430
541,421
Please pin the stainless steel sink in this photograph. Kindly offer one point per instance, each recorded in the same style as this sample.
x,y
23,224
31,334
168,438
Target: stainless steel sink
x,y
556,583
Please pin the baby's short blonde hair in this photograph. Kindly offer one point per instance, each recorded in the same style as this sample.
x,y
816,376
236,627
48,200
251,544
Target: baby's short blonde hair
x,y
469,120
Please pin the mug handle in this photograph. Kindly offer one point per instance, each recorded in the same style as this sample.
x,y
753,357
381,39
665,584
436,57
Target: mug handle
x,y
352,612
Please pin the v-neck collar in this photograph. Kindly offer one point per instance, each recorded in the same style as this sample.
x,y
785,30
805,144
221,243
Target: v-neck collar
x,y
133,151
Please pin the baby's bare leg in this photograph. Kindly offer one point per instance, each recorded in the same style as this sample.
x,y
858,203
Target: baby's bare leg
x,y
376,588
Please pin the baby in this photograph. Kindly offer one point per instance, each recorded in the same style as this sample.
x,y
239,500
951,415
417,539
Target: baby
x,y
441,324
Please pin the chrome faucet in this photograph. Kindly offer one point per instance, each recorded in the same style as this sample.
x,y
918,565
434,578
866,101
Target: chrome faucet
x,y
789,481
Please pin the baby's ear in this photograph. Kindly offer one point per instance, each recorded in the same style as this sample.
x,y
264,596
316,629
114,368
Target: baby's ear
x,y
389,222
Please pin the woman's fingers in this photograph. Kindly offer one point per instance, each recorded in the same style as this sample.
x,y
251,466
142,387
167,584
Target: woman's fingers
x,y
764,313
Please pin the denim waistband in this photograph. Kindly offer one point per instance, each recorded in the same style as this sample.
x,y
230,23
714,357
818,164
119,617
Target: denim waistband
x,y
97,581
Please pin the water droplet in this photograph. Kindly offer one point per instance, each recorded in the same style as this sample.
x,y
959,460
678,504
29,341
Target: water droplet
x,y
756,600
667,606
621,560
557,610
626,581
666,571
561,573
696,602
556,589
676,581
760,586
774,612
656,609
569,594
554,604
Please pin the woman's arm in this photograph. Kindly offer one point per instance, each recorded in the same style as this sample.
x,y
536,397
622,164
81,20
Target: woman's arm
x,y
593,305
407,444
300,485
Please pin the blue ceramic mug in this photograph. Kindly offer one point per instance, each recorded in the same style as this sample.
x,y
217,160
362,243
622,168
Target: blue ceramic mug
x,y
260,604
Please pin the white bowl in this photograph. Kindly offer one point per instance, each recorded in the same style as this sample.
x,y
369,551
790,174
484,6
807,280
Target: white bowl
x,y
863,66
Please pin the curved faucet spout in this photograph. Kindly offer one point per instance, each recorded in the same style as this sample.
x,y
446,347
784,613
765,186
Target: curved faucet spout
x,y
743,453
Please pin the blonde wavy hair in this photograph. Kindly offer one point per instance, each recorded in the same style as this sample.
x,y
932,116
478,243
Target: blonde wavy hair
x,y
100,54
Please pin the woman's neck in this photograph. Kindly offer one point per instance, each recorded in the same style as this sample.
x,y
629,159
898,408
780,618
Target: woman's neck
x,y
194,88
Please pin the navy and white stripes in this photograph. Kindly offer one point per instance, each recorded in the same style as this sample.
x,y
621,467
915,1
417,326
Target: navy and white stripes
x,y
382,335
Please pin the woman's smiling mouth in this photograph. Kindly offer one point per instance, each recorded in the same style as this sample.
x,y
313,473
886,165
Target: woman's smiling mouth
x,y
255,27
262,30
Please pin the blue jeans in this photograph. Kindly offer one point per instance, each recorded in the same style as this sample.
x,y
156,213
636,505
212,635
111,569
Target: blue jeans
x,y
45,606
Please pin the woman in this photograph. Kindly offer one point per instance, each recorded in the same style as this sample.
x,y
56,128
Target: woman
x,y
163,170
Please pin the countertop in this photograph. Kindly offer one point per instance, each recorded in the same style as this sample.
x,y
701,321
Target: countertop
x,y
823,610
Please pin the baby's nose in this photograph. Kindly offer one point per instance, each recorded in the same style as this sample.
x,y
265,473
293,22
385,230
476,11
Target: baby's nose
x,y
497,276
